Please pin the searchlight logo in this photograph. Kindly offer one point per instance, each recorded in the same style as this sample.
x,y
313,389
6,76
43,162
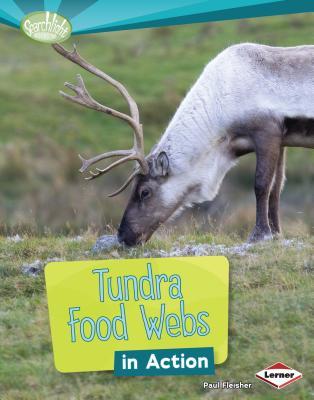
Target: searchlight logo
x,y
46,27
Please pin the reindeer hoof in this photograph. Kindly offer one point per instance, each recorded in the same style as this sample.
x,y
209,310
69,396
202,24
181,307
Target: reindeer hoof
x,y
260,234
277,235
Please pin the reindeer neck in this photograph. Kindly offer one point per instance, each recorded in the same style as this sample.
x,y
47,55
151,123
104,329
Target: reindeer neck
x,y
194,129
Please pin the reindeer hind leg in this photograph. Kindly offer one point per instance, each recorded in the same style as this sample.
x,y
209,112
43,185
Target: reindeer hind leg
x,y
274,198
267,148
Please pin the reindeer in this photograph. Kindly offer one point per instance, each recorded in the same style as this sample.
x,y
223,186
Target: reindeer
x,y
249,98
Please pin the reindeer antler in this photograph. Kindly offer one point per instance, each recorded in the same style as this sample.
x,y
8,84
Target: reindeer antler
x,y
83,98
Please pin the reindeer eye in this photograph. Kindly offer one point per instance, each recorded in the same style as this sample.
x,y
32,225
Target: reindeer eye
x,y
145,194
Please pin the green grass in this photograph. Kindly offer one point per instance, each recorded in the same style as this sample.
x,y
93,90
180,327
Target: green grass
x,y
271,309
157,65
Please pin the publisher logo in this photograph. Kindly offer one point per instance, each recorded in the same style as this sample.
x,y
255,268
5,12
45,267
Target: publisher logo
x,y
279,375
46,27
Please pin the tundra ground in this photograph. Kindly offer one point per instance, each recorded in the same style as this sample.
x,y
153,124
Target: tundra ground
x,y
271,309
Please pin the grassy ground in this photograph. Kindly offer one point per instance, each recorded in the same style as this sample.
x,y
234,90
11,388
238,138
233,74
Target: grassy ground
x,y
270,320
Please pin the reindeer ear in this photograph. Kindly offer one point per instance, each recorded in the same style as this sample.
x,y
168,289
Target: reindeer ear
x,y
161,165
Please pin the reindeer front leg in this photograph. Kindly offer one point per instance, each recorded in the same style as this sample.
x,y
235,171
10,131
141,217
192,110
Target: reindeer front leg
x,y
274,198
267,148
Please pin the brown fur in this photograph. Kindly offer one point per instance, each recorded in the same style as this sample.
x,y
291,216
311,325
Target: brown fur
x,y
267,136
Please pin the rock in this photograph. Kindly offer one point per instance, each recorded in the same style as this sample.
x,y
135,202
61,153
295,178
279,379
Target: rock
x,y
193,249
15,239
76,239
293,243
34,268
105,243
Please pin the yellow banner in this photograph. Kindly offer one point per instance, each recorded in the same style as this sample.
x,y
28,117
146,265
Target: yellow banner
x,y
99,307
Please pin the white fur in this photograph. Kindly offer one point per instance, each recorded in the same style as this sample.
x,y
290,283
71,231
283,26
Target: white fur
x,y
243,78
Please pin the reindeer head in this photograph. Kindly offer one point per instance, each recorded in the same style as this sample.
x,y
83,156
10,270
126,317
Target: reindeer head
x,y
146,209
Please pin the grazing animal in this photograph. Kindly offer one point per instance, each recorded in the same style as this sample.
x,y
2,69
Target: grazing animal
x,y
250,98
